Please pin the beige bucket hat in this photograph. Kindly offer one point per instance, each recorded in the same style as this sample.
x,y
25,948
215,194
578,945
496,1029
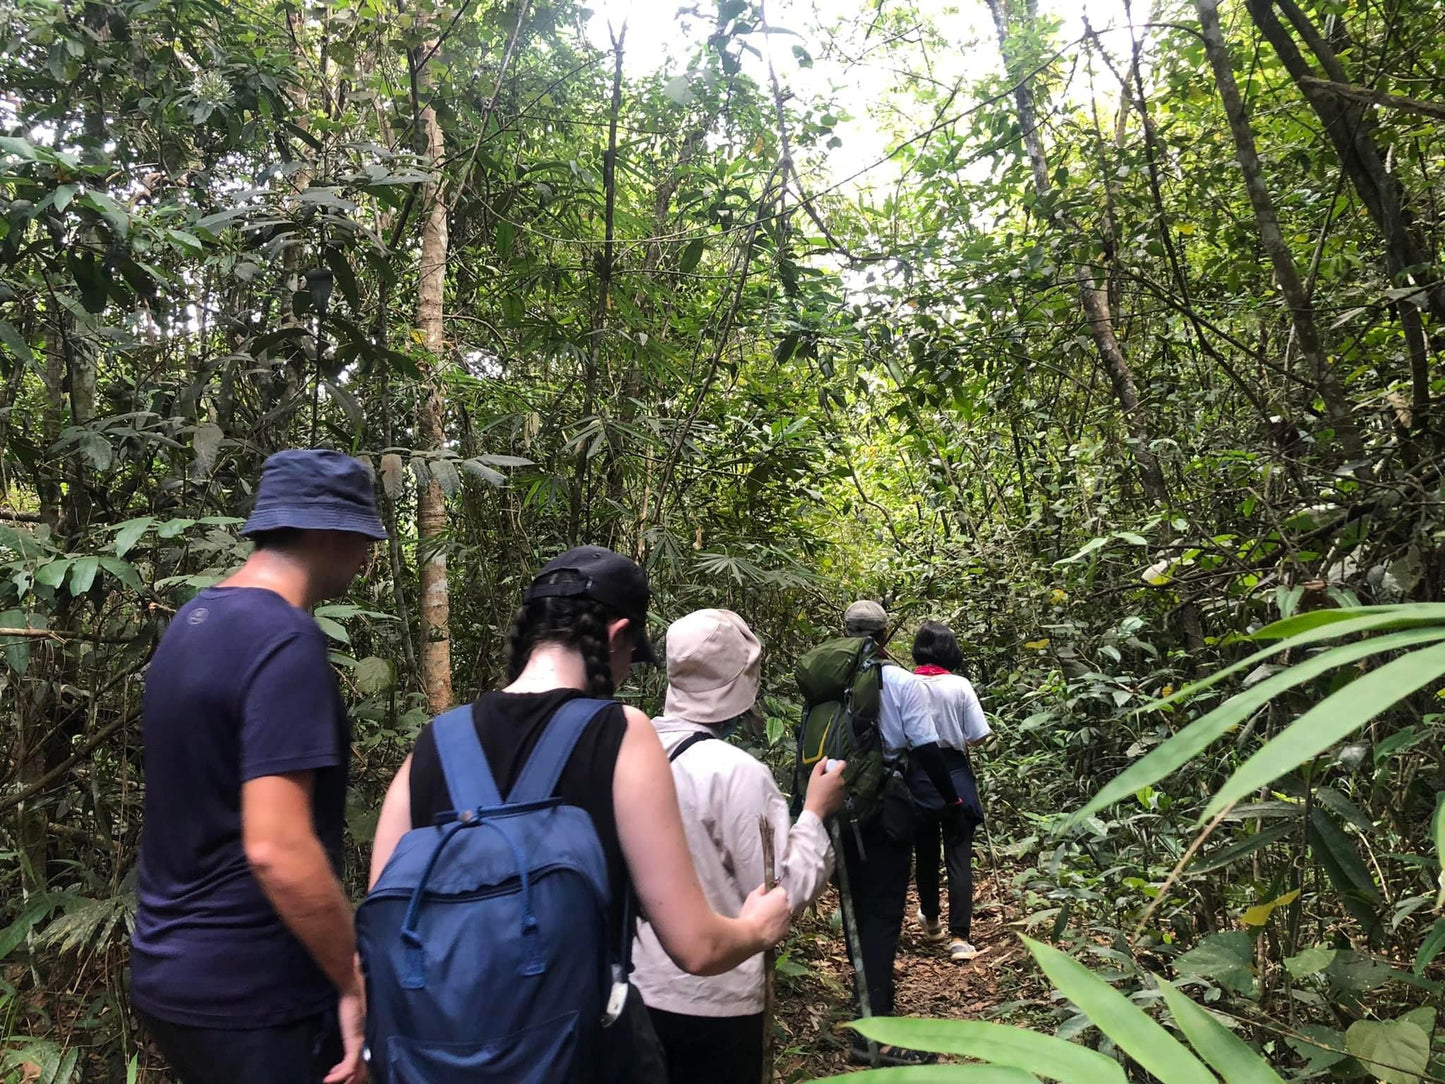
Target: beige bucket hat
x,y
713,661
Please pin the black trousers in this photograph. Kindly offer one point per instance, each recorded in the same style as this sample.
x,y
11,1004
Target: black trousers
x,y
957,844
302,1052
711,1049
878,880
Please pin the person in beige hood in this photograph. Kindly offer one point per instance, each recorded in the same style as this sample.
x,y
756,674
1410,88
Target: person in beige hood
x,y
712,1028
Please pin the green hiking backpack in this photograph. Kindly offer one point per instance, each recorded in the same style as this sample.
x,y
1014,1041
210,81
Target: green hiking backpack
x,y
842,686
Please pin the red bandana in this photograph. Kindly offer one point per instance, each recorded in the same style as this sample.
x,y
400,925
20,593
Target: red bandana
x,y
929,670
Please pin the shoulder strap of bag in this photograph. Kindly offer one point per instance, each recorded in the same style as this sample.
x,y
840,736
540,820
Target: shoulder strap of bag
x,y
687,743
464,763
539,775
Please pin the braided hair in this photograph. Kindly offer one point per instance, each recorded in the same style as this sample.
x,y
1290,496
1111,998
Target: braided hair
x,y
569,620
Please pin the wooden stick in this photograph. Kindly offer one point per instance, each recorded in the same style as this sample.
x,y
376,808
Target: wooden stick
x,y
770,957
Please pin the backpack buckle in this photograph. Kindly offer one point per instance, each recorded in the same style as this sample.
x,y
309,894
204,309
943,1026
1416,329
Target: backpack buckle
x,y
616,1002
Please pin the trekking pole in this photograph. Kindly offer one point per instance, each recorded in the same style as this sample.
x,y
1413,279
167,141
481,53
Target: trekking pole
x,y
770,957
850,934
987,838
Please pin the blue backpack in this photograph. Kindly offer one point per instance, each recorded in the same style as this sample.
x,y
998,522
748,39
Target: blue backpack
x,y
484,941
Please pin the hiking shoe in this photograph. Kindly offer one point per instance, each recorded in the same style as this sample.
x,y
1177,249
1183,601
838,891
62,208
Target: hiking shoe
x,y
890,1055
932,927
961,951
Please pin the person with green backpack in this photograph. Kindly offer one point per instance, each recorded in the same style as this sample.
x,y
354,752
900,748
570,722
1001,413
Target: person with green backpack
x,y
862,708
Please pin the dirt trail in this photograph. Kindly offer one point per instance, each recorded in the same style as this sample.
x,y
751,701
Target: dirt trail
x,y
815,992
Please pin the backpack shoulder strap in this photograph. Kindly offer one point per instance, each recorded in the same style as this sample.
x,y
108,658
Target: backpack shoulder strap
x,y
687,743
464,763
544,766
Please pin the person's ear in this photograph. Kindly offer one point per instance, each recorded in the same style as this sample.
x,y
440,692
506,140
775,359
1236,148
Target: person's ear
x,y
617,630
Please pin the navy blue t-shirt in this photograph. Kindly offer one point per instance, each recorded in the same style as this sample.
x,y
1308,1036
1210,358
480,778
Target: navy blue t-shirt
x,y
240,687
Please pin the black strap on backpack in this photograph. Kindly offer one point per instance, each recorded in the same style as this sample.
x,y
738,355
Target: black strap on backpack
x,y
687,743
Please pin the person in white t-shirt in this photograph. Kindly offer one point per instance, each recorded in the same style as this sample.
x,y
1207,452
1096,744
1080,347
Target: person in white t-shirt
x,y
958,722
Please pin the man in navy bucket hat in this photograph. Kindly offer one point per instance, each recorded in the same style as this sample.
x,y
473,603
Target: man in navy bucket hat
x,y
243,956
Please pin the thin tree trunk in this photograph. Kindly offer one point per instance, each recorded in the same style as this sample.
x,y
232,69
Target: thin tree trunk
x,y
431,515
1093,301
1351,129
1301,311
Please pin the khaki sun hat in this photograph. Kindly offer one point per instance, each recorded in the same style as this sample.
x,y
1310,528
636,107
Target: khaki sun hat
x,y
713,660
865,616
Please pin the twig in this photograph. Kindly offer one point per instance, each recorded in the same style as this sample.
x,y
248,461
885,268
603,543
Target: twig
x,y
35,634
770,957
1179,868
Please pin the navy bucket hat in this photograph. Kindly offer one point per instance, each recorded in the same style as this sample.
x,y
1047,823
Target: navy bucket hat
x,y
315,490
605,577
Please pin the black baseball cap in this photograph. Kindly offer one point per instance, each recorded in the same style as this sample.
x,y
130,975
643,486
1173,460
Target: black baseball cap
x,y
606,577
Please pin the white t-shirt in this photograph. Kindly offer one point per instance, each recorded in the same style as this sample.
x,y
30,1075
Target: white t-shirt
x,y
904,721
953,707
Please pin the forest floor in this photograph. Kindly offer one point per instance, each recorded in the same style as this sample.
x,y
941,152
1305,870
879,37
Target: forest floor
x,y
815,984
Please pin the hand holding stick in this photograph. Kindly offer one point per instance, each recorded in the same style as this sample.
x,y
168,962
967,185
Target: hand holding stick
x,y
770,957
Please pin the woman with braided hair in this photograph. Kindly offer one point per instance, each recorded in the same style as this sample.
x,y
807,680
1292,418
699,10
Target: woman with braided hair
x,y
580,628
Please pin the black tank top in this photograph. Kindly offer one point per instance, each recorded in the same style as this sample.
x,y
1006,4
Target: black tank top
x,y
509,726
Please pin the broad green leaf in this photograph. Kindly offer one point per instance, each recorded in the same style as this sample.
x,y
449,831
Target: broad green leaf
x,y
129,532
82,574
1311,961
1228,1054
332,629
1320,1046
132,1069
52,573
372,675
691,255
35,911
484,472
173,527
16,342
1227,958
17,648
393,475
207,444
1330,721
1395,1051
998,1044
1135,1032
1188,743
445,473
124,571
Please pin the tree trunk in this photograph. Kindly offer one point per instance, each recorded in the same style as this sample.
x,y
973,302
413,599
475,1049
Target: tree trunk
x,y
431,515
1351,129
1092,300
1301,311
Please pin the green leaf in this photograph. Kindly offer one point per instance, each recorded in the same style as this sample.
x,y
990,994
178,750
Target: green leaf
x,y
1343,865
208,444
1332,625
1311,961
132,1069
444,471
173,527
52,573
1135,1032
333,629
372,675
1328,722
691,255
1437,832
485,473
1188,743
1227,958
17,648
998,1044
1320,1046
16,342
1243,848
1430,947
1394,1051
1228,1054
129,532
942,1074
82,574
124,571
